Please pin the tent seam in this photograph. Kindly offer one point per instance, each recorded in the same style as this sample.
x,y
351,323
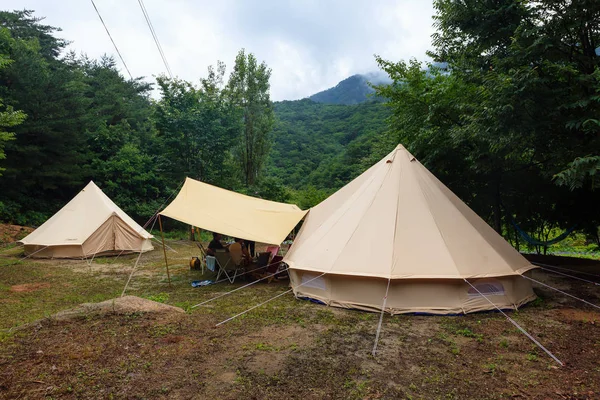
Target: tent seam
x,y
437,226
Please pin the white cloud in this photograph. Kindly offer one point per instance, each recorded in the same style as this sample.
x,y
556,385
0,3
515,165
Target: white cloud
x,y
310,45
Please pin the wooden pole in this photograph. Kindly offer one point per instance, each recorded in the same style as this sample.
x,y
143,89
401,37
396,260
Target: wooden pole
x,y
164,248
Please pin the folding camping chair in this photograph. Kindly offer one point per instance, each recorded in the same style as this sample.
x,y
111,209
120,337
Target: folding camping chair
x,y
276,260
204,258
274,250
264,267
226,265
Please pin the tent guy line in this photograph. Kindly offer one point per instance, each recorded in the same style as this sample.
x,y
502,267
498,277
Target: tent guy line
x,y
512,321
381,318
166,245
35,252
570,276
27,256
134,266
131,274
566,269
241,287
265,302
560,291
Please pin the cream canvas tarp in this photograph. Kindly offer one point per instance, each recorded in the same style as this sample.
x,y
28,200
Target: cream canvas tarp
x,y
89,224
233,214
398,222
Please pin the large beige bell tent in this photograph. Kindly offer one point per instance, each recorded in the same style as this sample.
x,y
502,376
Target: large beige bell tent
x,y
90,224
398,225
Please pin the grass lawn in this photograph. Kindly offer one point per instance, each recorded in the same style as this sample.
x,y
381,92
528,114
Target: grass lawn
x,y
286,349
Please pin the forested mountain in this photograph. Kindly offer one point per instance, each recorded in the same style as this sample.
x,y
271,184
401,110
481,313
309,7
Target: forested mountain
x,y
352,90
325,145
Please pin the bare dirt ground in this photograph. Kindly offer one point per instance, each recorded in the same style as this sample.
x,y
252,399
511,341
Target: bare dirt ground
x,y
286,349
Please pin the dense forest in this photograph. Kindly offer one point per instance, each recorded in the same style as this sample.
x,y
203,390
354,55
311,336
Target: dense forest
x,y
507,115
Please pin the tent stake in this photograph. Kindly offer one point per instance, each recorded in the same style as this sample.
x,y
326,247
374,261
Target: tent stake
x,y
162,235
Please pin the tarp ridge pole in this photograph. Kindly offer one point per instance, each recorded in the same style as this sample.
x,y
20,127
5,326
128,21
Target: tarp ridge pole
x,y
265,302
381,318
162,235
236,289
512,321
560,291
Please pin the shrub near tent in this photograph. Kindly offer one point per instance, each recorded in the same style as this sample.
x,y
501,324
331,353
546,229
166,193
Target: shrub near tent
x,y
88,225
398,223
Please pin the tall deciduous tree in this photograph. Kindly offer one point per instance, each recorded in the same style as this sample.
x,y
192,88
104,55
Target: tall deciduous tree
x,y
197,127
84,121
249,89
8,116
519,104
40,161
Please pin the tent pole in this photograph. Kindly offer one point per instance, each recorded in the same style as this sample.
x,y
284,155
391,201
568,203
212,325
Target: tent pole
x,y
164,248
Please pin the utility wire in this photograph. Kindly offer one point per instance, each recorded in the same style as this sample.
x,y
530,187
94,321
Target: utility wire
x,y
155,37
111,39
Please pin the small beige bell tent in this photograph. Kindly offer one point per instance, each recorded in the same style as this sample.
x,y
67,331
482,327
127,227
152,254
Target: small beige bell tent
x,y
90,224
397,224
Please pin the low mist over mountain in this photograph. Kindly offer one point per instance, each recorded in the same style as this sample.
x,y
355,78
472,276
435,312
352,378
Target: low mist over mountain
x,y
352,90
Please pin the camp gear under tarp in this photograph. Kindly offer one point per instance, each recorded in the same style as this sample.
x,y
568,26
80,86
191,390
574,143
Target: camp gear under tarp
x,y
233,214
88,225
398,223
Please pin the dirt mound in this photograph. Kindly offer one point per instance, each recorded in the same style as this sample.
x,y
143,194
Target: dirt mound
x,y
120,305
12,233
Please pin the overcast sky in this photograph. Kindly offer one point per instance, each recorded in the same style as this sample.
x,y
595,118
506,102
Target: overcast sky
x,y
310,45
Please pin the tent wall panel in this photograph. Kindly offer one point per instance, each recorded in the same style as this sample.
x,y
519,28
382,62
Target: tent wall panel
x,y
411,296
65,251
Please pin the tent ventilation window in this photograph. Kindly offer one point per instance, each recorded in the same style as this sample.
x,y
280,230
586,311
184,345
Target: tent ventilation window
x,y
486,288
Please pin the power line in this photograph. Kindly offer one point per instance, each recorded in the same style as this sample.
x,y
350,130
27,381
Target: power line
x,y
111,39
155,37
